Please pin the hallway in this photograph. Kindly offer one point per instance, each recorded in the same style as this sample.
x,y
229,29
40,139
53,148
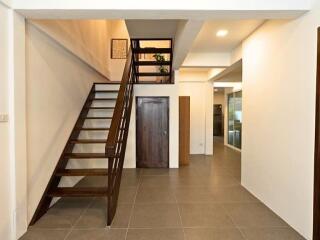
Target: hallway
x,y
203,201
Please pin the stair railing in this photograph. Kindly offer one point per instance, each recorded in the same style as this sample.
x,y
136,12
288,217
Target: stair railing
x,y
117,137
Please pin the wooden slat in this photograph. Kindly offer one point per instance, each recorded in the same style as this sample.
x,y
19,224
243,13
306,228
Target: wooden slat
x,y
316,194
152,50
152,63
83,172
79,192
152,74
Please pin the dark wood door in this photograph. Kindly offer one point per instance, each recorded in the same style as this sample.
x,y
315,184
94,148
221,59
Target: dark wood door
x,y
152,126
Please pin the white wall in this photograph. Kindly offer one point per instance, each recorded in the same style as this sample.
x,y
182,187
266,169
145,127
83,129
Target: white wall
x,y
6,205
87,39
13,133
195,85
279,80
57,86
118,29
163,90
90,40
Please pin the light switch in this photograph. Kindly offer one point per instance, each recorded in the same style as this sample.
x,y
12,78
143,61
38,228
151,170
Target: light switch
x,y
4,117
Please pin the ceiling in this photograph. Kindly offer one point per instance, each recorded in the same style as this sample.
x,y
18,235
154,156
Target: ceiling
x,y
152,28
207,41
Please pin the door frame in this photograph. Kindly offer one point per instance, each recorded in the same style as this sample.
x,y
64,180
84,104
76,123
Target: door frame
x,y
316,196
136,122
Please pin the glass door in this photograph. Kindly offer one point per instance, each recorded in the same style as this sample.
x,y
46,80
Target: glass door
x,y
235,119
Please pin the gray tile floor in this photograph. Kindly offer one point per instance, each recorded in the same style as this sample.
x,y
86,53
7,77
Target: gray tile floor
x,y
203,201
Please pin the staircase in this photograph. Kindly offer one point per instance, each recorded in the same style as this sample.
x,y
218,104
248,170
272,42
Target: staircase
x,y
114,100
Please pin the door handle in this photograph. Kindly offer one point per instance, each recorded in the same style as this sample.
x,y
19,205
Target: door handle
x,y
165,132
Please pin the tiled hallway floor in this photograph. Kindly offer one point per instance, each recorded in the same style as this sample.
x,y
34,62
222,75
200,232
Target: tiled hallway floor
x,y
203,201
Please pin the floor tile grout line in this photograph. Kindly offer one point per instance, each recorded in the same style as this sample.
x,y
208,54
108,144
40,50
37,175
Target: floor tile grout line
x,y
133,204
81,215
234,223
242,233
176,200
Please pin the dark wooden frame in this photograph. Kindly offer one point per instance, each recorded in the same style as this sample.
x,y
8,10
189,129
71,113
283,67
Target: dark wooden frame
x,y
168,110
316,202
135,45
119,39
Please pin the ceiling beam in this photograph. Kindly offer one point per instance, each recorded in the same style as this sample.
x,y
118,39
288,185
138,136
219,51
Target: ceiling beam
x,y
217,59
168,9
62,12
187,31
236,66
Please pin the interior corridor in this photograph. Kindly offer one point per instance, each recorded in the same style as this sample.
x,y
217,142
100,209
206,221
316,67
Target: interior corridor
x,y
203,201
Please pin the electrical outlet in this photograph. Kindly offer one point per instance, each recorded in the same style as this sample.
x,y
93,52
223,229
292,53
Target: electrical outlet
x,y
4,117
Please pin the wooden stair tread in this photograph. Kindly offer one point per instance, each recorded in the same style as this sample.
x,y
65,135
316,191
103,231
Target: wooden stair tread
x,y
89,140
103,99
106,91
78,192
85,155
83,172
93,129
152,63
152,50
99,107
110,82
97,118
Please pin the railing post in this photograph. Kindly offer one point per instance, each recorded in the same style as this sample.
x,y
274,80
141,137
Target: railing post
x,y
110,153
115,140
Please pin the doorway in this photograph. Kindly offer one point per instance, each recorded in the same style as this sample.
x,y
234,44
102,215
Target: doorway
x,y
235,119
217,120
152,132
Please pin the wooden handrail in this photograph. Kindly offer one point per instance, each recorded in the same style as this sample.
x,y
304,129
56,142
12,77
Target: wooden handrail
x,y
118,110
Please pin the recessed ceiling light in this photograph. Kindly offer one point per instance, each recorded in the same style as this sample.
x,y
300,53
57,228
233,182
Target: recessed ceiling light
x,y
222,33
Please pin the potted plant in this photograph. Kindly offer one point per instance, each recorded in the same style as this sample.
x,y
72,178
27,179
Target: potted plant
x,y
162,69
